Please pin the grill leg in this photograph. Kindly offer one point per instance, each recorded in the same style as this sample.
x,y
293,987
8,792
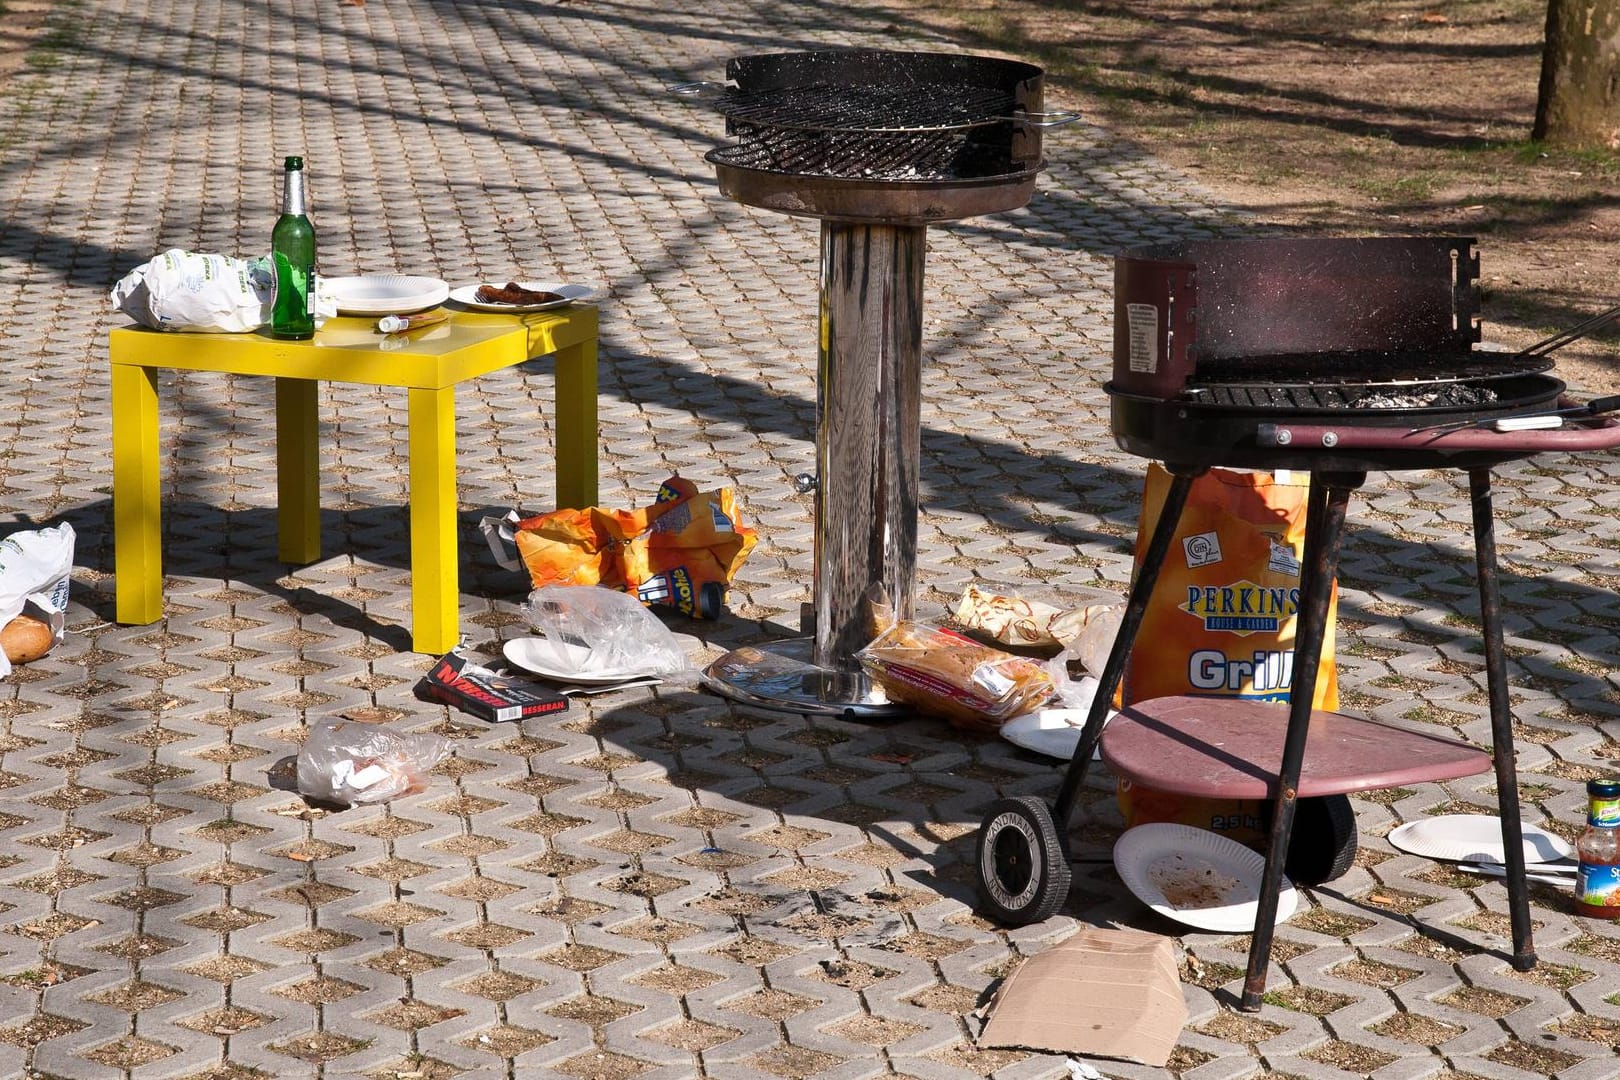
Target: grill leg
x,y
1175,501
1507,783
1324,527
868,437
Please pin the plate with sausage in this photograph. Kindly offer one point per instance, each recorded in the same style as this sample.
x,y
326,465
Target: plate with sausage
x,y
520,296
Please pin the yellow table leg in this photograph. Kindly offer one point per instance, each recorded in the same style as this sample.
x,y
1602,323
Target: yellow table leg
x,y
137,505
435,581
576,426
298,470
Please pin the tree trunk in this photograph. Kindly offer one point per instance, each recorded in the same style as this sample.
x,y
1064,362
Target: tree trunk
x,y
1578,104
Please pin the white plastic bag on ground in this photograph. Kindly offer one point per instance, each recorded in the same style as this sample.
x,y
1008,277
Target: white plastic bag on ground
x,y
36,567
347,762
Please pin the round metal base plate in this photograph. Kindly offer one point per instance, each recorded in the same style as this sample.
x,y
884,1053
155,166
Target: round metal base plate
x,y
783,675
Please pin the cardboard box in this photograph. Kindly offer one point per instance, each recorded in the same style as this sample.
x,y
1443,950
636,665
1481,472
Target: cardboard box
x,y
1101,993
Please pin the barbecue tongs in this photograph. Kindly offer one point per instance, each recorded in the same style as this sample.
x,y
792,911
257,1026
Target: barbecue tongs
x,y
1545,417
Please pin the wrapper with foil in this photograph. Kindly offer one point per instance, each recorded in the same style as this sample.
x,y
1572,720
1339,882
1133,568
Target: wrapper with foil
x,y
680,552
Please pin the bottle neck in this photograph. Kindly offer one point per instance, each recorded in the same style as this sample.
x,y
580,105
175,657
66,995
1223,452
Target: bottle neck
x,y
292,193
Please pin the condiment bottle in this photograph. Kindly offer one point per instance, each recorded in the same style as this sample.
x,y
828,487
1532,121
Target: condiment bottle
x,y
1597,881
292,251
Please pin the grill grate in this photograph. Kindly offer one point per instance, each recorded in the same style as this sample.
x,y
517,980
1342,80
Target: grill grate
x,y
930,156
1339,396
881,109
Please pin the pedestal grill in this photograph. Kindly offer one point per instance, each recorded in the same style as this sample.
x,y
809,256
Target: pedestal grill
x,y
1337,357
877,145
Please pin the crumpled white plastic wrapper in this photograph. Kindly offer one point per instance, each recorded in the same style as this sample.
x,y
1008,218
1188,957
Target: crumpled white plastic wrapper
x,y
347,762
187,290
36,567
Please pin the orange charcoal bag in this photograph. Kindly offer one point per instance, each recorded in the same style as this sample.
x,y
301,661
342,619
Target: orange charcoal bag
x,y
1222,619
682,551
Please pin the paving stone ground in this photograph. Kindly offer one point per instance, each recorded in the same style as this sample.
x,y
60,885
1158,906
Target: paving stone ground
x,y
658,884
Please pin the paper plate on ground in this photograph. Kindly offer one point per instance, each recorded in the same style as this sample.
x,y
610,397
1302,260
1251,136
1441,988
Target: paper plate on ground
x,y
561,661
1053,732
1473,838
1196,877
385,294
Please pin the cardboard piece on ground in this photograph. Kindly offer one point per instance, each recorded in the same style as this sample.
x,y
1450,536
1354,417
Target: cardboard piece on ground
x,y
1102,993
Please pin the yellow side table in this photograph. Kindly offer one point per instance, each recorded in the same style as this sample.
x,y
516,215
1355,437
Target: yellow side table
x,y
428,363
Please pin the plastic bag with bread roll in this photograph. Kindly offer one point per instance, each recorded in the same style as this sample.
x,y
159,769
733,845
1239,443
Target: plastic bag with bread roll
x,y
36,566
942,673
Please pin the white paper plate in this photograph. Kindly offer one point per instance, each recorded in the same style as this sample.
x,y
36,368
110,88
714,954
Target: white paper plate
x,y
1053,732
385,294
1196,877
1473,838
571,294
562,661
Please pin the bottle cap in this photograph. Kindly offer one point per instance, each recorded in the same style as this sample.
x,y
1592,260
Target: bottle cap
x,y
1603,789
294,163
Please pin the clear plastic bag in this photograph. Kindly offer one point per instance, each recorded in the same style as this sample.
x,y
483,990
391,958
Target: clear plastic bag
x,y
346,762
592,628
35,571
1089,637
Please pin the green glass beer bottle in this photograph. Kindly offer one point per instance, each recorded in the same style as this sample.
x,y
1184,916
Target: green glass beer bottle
x,y
292,250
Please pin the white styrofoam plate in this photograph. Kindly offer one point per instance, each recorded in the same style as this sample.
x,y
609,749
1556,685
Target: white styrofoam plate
x,y
385,294
1473,838
1197,877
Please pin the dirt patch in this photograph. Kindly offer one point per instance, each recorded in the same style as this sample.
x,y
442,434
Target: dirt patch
x,y
1542,1060
692,1035
1242,1029
774,1005
850,974
1477,999
1372,973
595,1011
22,23
130,1053
1360,117
1413,1028
1307,999
603,1065
136,996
